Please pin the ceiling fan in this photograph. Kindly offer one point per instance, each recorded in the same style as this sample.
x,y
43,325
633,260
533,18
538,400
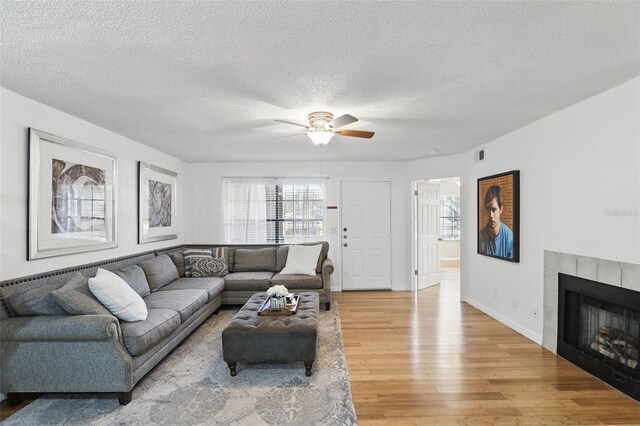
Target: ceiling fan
x,y
322,126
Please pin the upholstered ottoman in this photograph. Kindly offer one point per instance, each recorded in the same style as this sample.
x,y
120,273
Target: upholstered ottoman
x,y
253,338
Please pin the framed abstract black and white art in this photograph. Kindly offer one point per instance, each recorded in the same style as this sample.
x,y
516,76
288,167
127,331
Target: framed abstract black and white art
x,y
157,204
72,197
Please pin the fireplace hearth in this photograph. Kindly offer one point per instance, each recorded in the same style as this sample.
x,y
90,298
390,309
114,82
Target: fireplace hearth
x,y
599,331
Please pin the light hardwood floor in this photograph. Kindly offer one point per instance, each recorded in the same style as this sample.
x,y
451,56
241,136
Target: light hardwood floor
x,y
427,359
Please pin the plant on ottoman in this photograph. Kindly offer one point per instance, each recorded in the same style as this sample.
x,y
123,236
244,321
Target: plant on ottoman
x,y
277,296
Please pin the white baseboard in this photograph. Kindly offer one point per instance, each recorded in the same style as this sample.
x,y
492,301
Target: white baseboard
x,y
506,321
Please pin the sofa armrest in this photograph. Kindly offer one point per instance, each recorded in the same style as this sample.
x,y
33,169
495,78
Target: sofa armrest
x,y
79,353
59,328
327,270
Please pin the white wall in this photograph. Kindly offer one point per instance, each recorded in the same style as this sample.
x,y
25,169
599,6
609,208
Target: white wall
x,y
17,115
576,167
205,185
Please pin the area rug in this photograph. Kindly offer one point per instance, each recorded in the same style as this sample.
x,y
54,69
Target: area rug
x,y
192,386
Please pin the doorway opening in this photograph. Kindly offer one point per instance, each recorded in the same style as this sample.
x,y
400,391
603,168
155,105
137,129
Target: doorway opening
x,y
436,232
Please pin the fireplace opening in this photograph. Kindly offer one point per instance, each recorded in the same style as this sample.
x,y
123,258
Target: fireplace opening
x,y
608,332
599,330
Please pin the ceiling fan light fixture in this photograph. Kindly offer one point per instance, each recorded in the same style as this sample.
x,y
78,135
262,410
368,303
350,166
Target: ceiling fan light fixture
x,y
322,126
321,137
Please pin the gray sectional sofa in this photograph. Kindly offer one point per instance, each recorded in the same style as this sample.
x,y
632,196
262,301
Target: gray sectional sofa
x,y
51,351
255,268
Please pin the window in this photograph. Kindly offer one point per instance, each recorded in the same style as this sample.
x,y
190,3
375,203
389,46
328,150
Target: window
x,y
273,210
450,217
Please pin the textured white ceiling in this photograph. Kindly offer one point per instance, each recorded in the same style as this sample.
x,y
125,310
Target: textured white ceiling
x,y
203,81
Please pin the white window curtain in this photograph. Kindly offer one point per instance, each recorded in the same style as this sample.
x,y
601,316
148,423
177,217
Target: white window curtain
x,y
273,210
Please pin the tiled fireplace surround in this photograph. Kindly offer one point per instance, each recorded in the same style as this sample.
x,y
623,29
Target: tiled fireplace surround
x,y
619,274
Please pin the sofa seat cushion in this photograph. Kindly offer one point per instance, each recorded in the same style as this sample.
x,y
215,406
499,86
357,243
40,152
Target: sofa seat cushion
x,y
298,282
248,280
212,285
185,302
140,336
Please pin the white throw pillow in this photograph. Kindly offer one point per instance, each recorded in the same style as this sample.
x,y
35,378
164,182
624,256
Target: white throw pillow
x,y
302,260
116,295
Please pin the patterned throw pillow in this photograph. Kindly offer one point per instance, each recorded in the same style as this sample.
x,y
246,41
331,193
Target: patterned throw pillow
x,y
219,252
209,267
192,256
222,253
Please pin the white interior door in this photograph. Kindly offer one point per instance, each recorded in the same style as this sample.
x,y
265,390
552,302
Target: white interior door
x,y
366,235
428,263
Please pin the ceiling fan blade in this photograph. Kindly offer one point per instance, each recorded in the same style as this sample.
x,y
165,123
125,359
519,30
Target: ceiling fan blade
x,y
343,120
292,135
292,122
356,133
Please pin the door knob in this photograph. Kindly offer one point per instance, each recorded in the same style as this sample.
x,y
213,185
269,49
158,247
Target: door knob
x,y
344,236
345,244
344,229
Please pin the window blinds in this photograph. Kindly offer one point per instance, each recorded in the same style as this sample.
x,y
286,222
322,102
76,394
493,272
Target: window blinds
x,y
273,210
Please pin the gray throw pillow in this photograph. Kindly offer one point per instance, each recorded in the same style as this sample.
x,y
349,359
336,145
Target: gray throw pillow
x,y
209,267
135,277
33,301
76,298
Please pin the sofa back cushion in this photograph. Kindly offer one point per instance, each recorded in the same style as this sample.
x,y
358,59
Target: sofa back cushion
x,y
230,255
160,271
177,257
135,277
76,298
62,276
33,301
281,257
247,260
